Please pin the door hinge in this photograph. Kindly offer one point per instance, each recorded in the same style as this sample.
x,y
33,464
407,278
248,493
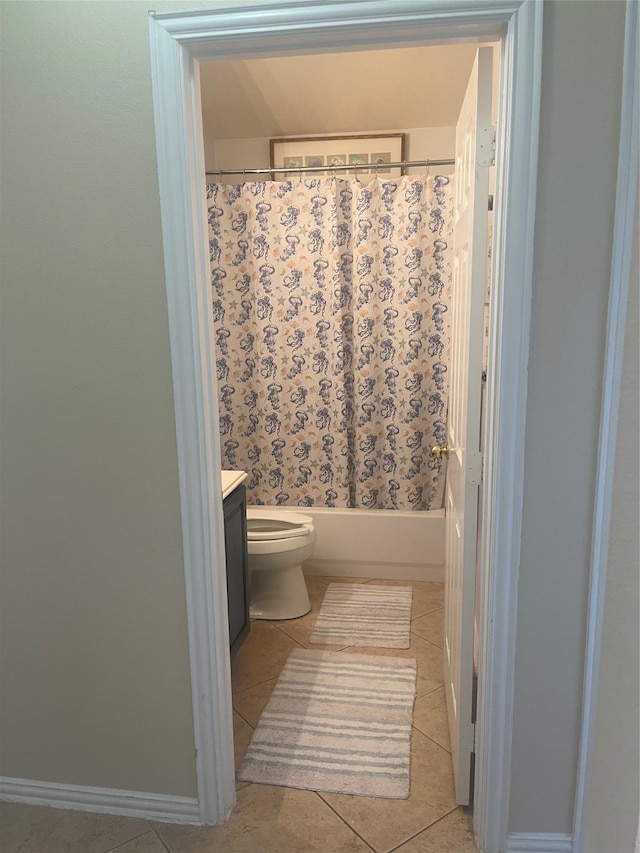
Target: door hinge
x,y
475,468
474,708
487,145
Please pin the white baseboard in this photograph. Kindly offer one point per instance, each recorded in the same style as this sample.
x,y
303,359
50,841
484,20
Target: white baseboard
x,y
379,571
539,842
163,808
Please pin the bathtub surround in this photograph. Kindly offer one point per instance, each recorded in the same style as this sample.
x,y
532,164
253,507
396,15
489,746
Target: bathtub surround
x,y
384,544
355,615
330,304
336,722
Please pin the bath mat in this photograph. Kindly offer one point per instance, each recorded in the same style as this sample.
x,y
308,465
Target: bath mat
x,y
355,614
336,722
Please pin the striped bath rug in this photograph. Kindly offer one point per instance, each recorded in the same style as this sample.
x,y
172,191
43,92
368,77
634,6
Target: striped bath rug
x,y
336,722
355,614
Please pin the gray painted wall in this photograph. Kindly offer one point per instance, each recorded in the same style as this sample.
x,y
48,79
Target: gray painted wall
x,y
614,784
95,668
579,132
96,683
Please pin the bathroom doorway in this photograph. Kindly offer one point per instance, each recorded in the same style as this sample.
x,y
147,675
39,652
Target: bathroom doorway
x,y
179,42
271,247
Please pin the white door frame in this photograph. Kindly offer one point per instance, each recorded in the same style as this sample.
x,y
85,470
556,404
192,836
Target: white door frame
x,y
178,42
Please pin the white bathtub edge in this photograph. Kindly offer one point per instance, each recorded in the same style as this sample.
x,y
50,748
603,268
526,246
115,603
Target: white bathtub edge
x,y
376,571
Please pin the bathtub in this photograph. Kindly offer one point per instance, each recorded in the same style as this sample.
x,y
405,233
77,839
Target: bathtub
x,y
381,543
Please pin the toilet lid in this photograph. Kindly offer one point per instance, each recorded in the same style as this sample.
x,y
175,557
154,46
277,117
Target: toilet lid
x,y
266,524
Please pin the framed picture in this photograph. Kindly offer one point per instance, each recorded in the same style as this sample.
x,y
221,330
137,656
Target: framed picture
x,y
370,152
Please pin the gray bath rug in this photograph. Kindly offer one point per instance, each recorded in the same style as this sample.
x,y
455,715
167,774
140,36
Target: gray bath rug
x,y
355,614
336,722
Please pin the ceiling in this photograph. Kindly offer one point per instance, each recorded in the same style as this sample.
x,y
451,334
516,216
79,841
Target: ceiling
x,y
335,93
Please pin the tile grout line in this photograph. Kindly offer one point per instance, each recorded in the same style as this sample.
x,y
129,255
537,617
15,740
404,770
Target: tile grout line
x,y
161,840
428,613
429,641
428,737
345,821
424,829
429,692
244,719
284,633
251,686
148,831
435,646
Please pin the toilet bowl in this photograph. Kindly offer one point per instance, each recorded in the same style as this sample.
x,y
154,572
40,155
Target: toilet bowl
x,y
278,543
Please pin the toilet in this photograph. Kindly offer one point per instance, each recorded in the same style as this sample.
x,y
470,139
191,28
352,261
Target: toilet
x,y
278,543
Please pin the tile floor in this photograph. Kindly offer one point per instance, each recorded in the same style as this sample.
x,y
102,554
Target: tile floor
x,y
286,820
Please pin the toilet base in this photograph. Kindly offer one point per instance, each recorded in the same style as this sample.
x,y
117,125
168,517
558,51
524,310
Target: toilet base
x,y
278,594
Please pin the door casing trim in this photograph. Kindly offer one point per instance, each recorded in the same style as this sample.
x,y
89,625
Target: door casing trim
x,y
178,43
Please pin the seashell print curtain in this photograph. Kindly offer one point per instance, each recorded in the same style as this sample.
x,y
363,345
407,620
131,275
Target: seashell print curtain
x,y
330,306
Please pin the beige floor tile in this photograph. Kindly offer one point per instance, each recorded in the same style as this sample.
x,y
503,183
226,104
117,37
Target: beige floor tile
x,y
241,736
35,829
430,717
148,843
261,656
429,659
316,587
430,627
300,629
385,824
427,596
267,819
250,703
452,834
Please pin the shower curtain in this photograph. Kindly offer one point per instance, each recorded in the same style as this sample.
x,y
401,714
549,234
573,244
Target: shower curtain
x,y
330,303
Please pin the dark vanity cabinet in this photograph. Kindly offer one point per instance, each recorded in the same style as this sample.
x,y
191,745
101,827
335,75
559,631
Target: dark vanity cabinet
x,y
235,539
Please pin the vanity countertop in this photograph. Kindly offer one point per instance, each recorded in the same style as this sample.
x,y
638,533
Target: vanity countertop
x,y
231,480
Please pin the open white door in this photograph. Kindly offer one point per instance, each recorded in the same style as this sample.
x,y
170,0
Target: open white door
x,y
474,151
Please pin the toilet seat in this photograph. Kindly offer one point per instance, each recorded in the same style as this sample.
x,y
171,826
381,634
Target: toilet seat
x,y
267,525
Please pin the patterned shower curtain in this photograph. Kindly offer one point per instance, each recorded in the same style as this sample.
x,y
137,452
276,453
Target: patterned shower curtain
x,y
330,303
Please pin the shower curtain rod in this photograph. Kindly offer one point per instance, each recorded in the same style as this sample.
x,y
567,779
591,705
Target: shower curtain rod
x,y
350,167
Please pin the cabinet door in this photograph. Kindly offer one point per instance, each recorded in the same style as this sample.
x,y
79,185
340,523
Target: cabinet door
x,y
235,535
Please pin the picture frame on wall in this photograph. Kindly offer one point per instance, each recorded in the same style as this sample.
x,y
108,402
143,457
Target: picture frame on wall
x,y
372,150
